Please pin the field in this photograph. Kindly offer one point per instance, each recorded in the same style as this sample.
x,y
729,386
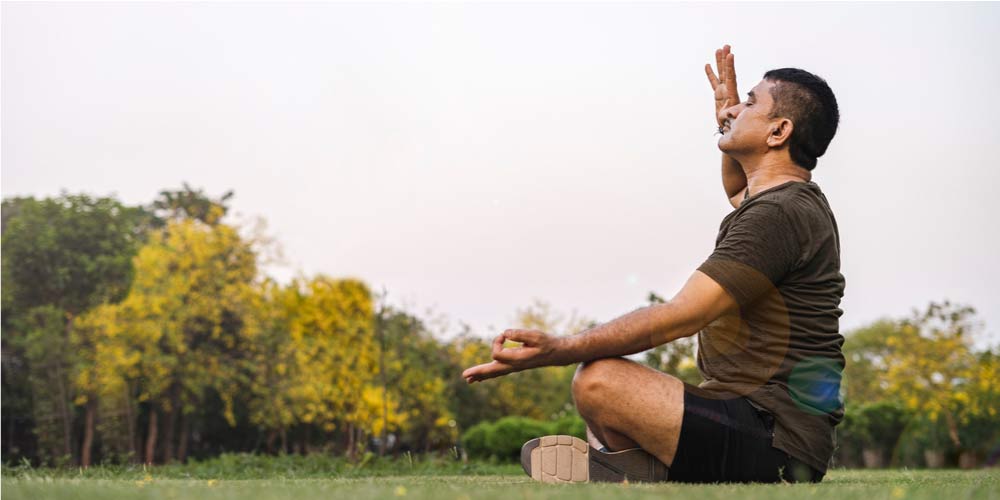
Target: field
x,y
458,482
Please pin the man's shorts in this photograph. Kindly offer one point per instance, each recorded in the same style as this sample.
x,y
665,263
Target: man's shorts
x,y
729,440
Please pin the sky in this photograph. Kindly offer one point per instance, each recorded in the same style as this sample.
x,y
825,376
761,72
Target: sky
x,y
472,158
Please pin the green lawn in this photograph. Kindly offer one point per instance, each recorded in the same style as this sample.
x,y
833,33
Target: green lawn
x,y
504,482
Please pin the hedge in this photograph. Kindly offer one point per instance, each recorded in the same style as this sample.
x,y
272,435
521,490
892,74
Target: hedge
x,y
503,438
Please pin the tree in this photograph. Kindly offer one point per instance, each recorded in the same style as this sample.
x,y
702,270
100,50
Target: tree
x,y
72,252
191,204
107,376
929,361
335,356
185,312
867,353
979,404
417,371
272,363
62,256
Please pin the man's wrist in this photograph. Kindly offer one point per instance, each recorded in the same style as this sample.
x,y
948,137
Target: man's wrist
x,y
564,352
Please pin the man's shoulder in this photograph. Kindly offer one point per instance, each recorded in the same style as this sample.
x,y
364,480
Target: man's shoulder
x,y
801,202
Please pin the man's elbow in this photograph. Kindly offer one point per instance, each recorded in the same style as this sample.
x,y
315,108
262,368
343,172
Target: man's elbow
x,y
680,321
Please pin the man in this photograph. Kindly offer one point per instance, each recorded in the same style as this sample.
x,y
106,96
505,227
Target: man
x,y
765,305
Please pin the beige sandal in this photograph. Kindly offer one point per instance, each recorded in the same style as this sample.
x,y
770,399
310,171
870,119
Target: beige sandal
x,y
568,459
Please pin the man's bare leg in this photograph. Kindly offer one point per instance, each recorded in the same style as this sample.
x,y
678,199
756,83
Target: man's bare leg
x,y
628,405
619,442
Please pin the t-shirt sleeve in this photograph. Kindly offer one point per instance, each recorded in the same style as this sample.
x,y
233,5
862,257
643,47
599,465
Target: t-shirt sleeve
x,y
758,251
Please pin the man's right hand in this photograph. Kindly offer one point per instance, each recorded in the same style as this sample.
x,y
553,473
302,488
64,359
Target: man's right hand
x,y
723,85
537,349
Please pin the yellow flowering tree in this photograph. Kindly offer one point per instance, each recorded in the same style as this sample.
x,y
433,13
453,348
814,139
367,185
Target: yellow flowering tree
x,y
187,305
929,361
272,367
334,354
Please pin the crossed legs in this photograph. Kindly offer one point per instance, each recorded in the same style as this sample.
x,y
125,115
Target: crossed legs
x,y
628,405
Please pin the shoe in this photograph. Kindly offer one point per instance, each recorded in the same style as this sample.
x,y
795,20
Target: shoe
x,y
568,459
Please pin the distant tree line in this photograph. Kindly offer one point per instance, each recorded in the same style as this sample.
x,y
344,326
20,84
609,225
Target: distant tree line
x,y
149,334
919,393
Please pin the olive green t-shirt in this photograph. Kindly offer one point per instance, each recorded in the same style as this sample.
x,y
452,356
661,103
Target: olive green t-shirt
x,y
778,255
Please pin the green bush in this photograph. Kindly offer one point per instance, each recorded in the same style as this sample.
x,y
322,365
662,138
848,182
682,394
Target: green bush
x,y
503,439
571,425
474,440
880,424
509,433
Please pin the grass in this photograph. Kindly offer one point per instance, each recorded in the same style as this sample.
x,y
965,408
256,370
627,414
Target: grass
x,y
245,477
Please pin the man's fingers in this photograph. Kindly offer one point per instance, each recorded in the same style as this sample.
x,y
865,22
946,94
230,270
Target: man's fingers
x,y
731,91
712,79
720,64
523,336
497,345
477,370
515,354
486,371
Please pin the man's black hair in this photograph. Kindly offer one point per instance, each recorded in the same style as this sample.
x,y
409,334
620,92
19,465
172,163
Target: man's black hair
x,y
808,102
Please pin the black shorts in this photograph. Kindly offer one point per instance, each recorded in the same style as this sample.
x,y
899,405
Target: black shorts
x,y
729,440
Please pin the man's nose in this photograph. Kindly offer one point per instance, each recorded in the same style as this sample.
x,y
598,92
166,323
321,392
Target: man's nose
x,y
730,113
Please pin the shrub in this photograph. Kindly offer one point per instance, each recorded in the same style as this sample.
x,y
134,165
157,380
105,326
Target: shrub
x,y
571,425
475,440
509,433
880,424
503,439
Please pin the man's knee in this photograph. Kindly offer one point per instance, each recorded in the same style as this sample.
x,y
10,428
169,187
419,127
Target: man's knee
x,y
594,381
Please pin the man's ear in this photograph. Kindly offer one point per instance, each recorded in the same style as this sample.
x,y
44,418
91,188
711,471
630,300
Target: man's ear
x,y
781,132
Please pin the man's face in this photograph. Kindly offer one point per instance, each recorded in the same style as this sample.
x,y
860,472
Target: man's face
x,y
746,126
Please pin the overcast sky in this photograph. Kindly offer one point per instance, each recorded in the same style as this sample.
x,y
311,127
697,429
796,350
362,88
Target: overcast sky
x,y
473,157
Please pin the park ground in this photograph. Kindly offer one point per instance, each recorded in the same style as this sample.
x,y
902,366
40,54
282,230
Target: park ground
x,y
500,481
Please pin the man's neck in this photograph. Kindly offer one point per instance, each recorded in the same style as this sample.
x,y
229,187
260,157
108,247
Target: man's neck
x,y
769,172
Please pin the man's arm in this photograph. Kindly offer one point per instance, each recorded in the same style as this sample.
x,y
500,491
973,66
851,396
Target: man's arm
x,y
734,180
699,302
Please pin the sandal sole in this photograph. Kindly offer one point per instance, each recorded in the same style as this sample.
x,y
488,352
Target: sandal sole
x,y
568,459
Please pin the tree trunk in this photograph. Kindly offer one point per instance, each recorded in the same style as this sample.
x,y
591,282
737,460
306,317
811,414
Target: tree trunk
x,y
385,388
67,419
130,424
171,424
952,429
269,443
968,460
306,437
88,431
872,458
151,437
185,431
67,415
350,441
934,459
284,441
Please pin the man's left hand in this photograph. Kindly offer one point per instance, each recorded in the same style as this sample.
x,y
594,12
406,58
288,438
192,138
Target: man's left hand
x,y
537,349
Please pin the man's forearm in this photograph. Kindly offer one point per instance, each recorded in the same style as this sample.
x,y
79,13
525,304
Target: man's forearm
x,y
734,179
634,332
